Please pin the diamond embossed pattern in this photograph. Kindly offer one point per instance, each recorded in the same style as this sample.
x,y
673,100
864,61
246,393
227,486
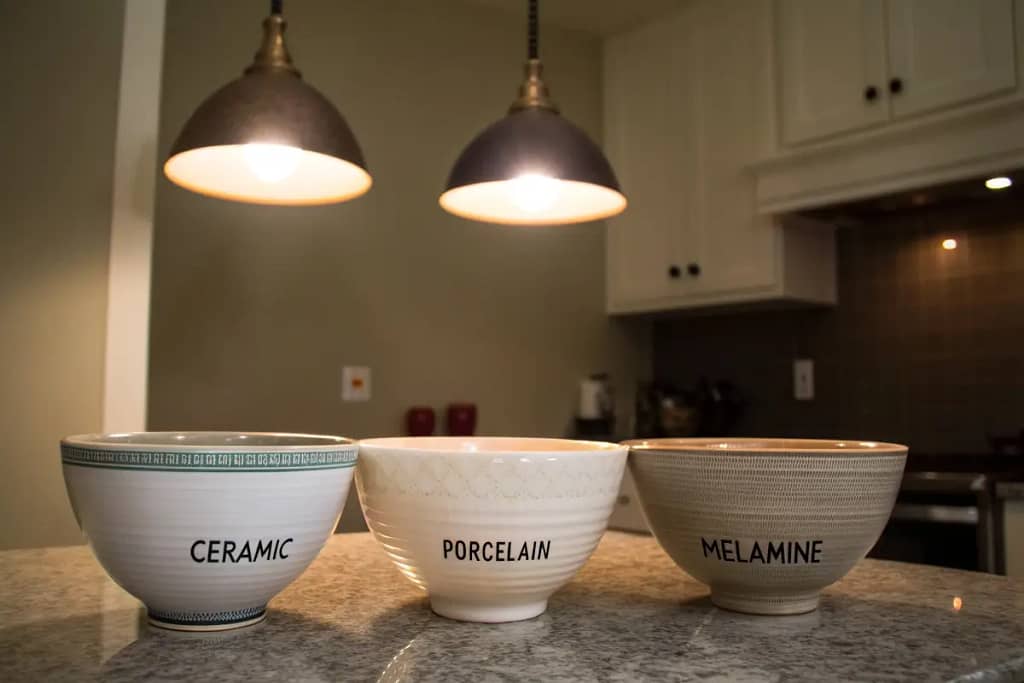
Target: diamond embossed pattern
x,y
424,506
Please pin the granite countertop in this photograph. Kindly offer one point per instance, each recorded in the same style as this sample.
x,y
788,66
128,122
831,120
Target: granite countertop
x,y
629,615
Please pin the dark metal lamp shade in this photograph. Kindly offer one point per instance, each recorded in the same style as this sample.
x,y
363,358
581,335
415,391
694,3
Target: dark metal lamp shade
x,y
532,167
269,138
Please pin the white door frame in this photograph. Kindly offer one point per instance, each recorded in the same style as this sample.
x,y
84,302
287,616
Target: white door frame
x,y
132,214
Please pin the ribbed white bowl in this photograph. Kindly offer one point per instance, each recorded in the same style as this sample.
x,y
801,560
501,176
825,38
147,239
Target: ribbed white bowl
x,y
724,510
490,527
162,510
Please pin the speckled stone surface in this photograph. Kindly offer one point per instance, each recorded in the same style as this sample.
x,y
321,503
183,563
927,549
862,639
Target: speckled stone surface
x,y
630,615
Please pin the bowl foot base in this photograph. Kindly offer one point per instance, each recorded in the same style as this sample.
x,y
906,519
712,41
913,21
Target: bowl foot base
x,y
215,622
490,614
777,605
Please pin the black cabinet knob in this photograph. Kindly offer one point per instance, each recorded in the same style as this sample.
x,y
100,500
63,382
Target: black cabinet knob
x,y
896,86
674,271
693,269
871,93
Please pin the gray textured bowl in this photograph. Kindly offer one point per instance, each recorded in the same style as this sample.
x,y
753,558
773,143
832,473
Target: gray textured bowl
x,y
766,523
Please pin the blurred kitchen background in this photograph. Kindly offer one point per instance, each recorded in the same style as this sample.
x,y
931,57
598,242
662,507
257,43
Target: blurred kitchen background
x,y
810,248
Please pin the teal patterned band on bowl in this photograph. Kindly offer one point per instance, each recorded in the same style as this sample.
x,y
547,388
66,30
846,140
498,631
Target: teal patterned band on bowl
x,y
191,461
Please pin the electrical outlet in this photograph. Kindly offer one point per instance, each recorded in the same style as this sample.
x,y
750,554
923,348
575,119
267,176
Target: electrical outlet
x,y
803,379
355,383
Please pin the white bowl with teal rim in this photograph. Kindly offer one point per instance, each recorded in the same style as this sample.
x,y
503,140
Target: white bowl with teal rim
x,y
206,527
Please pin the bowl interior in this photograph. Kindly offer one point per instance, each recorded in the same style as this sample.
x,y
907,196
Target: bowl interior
x,y
486,444
207,440
757,445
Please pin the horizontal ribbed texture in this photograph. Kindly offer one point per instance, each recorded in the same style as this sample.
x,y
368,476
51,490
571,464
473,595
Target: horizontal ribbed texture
x,y
772,526
427,509
144,527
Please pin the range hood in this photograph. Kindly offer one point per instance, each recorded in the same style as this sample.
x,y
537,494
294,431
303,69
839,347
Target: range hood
x,y
911,157
971,190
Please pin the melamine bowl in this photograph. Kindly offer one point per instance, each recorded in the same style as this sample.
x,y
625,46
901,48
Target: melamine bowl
x,y
490,527
766,523
206,527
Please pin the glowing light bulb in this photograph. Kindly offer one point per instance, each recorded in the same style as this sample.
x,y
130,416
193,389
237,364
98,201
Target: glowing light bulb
x,y
271,163
534,193
998,183
958,603
949,244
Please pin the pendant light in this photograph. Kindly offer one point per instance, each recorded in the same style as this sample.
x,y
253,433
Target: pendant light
x,y
268,137
532,167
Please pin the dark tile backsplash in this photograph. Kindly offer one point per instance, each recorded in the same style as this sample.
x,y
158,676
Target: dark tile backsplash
x,y
926,346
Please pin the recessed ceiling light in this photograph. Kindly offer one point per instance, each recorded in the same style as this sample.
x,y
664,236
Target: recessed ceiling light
x,y
998,183
949,244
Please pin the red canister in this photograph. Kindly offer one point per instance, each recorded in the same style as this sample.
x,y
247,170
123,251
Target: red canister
x,y
419,421
462,419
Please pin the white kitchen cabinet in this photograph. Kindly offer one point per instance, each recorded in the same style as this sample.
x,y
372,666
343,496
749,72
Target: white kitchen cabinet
x,y
951,98
847,65
644,126
684,115
946,52
832,66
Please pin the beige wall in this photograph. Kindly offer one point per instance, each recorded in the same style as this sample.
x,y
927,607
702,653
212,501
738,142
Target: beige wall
x,y
57,123
255,309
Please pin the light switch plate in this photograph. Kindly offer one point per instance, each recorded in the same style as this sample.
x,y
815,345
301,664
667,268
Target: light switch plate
x,y
355,383
803,379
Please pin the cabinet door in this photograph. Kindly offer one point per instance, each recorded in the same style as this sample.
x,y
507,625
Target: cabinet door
x,y
646,140
739,247
830,52
944,52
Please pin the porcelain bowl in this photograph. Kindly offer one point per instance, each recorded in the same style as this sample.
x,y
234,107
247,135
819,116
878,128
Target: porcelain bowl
x,y
206,527
766,523
489,527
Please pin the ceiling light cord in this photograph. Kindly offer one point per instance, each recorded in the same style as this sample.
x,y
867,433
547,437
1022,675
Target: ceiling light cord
x,y
276,6
533,93
532,30
532,167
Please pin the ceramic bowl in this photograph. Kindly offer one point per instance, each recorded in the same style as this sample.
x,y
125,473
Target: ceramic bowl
x,y
766,523
490,527
206,527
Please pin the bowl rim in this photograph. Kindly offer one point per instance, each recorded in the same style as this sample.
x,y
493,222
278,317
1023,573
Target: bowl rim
x,y
449,446
162,441
749,446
